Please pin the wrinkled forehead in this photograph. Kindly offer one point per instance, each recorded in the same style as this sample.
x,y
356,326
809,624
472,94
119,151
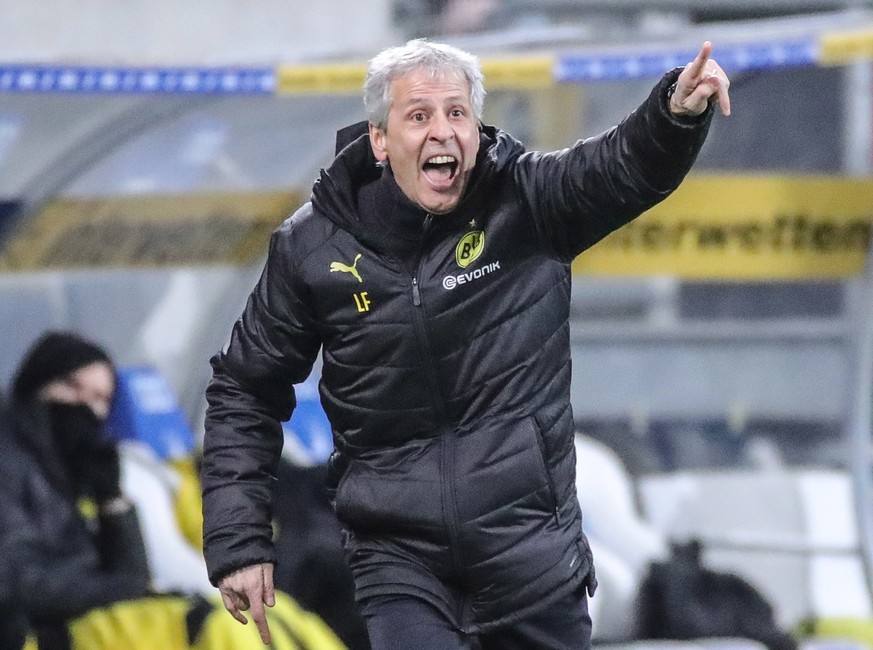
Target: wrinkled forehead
x,y
442,73
430,74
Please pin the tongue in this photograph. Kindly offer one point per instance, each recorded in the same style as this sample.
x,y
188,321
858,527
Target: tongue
x,y
439,174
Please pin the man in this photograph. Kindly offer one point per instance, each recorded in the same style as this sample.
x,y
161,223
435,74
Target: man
x,y
432,267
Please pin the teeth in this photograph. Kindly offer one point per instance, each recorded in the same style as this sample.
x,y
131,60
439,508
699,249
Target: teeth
x,y
441,160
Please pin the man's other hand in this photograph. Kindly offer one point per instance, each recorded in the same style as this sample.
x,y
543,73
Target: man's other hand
x,y
250,588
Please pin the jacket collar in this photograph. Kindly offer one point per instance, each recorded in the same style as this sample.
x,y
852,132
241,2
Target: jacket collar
x,y
362,197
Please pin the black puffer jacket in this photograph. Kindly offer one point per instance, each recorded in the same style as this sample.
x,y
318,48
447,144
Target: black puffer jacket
x,y
446,367
55,564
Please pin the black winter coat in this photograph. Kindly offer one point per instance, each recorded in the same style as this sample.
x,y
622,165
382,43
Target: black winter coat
x,y
54,564
446,367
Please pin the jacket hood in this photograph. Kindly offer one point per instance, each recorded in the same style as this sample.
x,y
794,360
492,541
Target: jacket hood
x,y
337,192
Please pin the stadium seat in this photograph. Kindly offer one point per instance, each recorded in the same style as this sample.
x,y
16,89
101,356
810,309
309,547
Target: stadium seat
x,y
623,543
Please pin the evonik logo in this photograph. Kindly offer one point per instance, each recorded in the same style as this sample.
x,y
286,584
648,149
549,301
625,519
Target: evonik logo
x,y
452,281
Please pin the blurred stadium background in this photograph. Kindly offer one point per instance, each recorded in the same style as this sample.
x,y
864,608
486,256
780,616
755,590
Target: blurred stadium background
x,y
147,149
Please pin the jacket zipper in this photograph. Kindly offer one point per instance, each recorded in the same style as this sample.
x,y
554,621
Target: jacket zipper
x,y
553,492
420,324
446,440
416,295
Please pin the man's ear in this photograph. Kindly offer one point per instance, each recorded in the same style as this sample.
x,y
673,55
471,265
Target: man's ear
x,y
377,142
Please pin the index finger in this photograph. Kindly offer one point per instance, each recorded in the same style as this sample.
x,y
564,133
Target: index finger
x,y
259,616
696,67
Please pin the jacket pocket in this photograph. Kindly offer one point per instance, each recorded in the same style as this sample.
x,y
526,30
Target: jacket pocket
x,y
544,456
391,491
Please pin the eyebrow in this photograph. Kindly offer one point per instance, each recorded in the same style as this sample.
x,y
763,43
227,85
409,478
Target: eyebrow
x,y
450,104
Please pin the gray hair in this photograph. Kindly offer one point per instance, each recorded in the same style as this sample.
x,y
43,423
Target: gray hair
x,y
439,59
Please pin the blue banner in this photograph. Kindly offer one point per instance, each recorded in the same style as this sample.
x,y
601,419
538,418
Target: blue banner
x,y
733,58
118,80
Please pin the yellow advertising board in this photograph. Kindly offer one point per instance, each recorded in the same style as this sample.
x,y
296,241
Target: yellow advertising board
x,y
841,48
518,73
743,228
712,227
344,78
151,230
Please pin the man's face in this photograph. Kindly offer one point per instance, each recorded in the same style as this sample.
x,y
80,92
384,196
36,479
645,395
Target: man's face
x,y
431,139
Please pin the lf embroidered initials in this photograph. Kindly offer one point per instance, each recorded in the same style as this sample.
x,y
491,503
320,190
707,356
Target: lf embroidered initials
x,y
345,268
362,302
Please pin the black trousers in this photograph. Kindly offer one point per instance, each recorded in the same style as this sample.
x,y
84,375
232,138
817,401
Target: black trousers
x,y
404,622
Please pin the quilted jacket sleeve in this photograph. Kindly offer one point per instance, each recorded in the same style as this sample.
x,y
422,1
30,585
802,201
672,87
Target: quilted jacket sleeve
x,y
272,347
579,195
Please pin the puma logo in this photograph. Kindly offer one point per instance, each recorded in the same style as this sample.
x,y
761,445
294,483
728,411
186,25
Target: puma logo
x,y
345,268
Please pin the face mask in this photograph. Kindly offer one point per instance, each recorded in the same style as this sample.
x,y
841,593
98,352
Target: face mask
x,y
76,429
91,457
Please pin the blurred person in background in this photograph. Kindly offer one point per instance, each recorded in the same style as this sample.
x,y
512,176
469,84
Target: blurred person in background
x,y
53,454
432,267
74,569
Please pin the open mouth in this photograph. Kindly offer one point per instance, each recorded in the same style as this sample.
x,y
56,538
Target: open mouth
x,y
441,170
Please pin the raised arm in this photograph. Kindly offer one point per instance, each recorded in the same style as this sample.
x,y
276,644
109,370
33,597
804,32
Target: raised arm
x,y
577,196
